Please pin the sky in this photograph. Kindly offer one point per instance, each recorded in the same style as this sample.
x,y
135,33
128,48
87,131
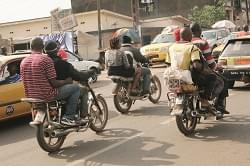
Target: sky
x,y
17,10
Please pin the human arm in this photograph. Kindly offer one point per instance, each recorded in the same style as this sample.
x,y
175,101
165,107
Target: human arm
x,y
139,57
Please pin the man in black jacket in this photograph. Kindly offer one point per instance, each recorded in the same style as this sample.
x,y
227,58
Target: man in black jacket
x,y
134,57
65,70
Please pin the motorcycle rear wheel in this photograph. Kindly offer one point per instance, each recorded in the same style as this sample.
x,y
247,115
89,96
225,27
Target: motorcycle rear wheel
x,y
45,140
122,101
186,123
155,88
99,115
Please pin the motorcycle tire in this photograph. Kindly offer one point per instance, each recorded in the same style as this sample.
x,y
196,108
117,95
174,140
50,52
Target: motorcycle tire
x,y
47,146
119,100
182,124
156,84
95,114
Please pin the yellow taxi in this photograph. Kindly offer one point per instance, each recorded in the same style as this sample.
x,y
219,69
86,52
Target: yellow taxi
x,y
11,93
235,60
157,50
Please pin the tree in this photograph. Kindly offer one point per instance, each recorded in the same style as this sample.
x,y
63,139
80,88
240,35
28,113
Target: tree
x,y
209,14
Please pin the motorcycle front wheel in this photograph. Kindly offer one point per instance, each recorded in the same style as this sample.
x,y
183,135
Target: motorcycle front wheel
x,y
122,101
45,139
99,116
186,123
155,90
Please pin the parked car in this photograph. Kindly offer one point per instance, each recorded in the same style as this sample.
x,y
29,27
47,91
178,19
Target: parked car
x,y
218,50
235,60
215,37
10,103
157,50
83,65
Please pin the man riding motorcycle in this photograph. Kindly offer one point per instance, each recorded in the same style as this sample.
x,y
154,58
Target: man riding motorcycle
x,y
66,70
211,78
134,57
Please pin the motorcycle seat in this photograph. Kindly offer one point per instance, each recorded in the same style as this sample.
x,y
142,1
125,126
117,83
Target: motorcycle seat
x,y
38,101
126,79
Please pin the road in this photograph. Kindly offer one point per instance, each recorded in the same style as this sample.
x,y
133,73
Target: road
x,y
147,136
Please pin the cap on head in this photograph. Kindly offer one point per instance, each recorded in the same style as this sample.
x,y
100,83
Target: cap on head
x,y
37,44
51,47
126,40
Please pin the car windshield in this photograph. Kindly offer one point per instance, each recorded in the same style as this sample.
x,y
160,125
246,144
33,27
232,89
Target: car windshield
x,y
209,35
164,38
237,48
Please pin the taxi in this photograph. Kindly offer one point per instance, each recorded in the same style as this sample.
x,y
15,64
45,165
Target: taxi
x,y
157,50
11,93
235,60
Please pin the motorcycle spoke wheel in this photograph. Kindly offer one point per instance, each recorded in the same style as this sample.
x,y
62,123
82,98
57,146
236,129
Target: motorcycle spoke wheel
x,y
155,90
186,124
99,116
122,101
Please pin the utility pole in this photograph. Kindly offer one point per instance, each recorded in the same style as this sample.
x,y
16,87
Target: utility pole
x,y
135,14
99,24
247,12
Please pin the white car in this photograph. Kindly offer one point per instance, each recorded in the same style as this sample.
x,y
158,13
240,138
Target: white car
x,y
83,65
78,63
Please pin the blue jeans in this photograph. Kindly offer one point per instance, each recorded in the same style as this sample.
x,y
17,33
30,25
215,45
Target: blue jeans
x,y
146,75
70,93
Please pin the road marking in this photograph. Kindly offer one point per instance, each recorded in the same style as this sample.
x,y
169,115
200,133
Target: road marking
x,y
77,162
167,121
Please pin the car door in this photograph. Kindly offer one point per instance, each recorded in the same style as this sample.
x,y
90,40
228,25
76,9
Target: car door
x,y
10,104
77,63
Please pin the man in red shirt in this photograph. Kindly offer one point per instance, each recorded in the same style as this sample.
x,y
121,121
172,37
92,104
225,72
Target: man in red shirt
x,y
39,77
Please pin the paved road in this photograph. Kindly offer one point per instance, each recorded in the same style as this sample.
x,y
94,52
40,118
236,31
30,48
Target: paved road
x,y
147,136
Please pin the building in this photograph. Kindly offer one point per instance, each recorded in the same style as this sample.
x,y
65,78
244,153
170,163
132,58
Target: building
x,y
21,32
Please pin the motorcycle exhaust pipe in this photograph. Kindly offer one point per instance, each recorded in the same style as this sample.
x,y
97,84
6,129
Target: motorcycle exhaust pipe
x,y
58,133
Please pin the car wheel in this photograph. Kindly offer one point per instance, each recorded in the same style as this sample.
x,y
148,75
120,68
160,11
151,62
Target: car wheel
x,y
94,77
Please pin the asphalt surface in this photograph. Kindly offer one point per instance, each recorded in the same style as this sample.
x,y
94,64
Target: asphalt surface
x,y
147,136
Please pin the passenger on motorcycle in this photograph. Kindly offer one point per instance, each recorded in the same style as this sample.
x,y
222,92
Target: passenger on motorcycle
x,y
208,78
182,55
135,58
39,77
116,62
66,70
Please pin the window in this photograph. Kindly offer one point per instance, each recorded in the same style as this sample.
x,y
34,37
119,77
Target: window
x,y
237,48
11,69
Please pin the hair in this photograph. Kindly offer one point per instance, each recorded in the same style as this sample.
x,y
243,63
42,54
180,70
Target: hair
x,y
37,44
51,47
186,34
245,28
195,28
126,40
114,43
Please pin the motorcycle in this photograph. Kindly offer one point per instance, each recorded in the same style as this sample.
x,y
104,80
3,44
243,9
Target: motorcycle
x,y
123,100
51,133
185,105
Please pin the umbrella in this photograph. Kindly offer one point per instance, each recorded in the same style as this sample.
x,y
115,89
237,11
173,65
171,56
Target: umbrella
x,y
224,24
127,32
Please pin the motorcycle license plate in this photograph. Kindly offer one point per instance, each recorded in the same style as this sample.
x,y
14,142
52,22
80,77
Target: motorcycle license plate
x,y
179,100
39,116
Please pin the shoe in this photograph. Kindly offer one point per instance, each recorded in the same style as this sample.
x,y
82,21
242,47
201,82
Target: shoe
x,y
223,110
219,115
226,112
69,121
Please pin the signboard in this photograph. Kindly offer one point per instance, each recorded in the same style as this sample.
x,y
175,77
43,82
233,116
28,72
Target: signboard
x,y
68,22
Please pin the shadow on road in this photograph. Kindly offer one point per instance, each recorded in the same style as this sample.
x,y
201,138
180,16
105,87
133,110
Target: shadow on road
x,y
233,128
101,83
16,130
116,147
160,109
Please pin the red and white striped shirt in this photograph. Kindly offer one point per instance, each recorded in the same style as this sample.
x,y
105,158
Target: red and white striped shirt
x,y
206,51
36,71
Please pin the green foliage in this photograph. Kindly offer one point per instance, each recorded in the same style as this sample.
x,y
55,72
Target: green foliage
x,y
209,14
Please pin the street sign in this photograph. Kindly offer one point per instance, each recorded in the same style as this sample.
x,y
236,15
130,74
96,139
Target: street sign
x,y
68,22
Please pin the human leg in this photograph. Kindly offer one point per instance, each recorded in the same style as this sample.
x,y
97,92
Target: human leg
x,y
146,74
71,93
137,77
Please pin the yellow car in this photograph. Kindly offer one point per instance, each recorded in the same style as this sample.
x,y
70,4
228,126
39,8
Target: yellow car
x,y
11,93
157,50
235,60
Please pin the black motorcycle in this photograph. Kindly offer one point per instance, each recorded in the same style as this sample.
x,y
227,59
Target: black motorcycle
x,y
51,133
185,105
123,100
